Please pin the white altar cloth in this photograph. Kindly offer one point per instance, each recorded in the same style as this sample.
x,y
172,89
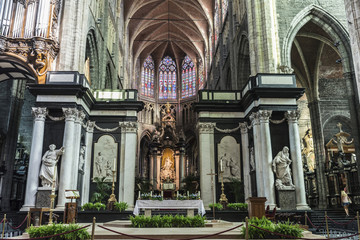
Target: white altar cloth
x,y
169,204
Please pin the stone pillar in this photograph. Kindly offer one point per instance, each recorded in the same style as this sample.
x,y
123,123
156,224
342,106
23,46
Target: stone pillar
x,y
267,158
78,125
207,162
319,143
182,163
129,129
297,165
153,166
245,159
87,166
255,122
35,157
177,171
66,170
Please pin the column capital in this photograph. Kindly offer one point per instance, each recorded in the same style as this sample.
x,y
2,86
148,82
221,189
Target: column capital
x,y
206,127
39,113
264,115
243,128
292,116
70,114
254,118
128,127
90,126
80,116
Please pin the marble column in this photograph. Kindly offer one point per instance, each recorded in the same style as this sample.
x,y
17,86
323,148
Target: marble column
x,y
207,162
182,164
85,194
245,159
153,166
255,122
66,169
297,165
121,168
267,158
32,183
129,129
78,125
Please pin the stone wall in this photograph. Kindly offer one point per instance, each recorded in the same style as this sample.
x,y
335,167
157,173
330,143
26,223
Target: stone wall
x,y
26,121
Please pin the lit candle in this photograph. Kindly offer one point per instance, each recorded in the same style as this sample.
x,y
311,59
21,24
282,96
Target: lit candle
x,y
199,195
221,165
114,164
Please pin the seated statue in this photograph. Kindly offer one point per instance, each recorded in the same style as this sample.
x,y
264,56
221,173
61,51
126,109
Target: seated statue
x,y
281,167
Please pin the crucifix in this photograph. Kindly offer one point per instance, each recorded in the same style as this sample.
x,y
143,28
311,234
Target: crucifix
x,y
212,190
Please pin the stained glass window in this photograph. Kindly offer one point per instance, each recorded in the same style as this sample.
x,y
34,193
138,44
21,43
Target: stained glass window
x,y
224,8
188,79
147,77
201,75
167,79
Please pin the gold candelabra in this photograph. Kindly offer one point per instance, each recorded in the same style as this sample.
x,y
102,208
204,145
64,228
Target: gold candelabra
x,y
223,200
112,198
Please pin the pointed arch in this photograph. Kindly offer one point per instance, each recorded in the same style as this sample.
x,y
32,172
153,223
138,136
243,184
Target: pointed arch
x,y
167,78
188,78
147,77
328,23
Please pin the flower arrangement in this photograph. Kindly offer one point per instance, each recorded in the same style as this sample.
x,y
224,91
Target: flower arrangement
x,y
194,196
181,197
156,197
146,196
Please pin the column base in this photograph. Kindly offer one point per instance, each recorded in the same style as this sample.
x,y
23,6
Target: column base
x,y
302,206
26,208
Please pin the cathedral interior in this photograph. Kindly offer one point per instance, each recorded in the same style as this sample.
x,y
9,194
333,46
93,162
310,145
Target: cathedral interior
x,y
165,93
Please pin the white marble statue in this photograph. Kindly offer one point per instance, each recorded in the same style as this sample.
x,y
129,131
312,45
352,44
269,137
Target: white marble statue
x,y
48,167
167,170
281,167
82,158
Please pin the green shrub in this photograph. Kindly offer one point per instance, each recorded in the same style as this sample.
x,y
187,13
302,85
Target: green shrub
x,y
167,221
268,226
120,206
218,206
98,206
48,230
238,206
87,206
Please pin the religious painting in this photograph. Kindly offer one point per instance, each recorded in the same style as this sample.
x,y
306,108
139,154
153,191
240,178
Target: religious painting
x,y
229,158
105,155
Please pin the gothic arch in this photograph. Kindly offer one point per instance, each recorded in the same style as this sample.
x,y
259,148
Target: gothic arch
x,y
91,53
328,23
243,61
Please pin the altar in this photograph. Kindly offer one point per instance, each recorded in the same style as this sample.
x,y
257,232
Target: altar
x,y
169,204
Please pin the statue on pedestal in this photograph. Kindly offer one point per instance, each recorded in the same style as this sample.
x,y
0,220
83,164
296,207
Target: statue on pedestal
x,y
281,167
167,170
48,167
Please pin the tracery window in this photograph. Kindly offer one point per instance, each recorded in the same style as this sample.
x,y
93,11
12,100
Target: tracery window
x,y
188,78
201,75
147,77
224,8
167,79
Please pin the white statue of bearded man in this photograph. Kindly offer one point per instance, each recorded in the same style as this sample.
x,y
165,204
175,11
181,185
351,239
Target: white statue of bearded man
x,y
281,167
48,167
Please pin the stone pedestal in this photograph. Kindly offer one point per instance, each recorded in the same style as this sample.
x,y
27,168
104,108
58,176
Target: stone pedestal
x,y
43,197
287,199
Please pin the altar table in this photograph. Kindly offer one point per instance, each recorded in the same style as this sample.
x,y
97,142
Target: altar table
x,y
169,204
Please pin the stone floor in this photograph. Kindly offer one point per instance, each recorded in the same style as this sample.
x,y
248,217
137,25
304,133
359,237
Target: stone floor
x,y
170,233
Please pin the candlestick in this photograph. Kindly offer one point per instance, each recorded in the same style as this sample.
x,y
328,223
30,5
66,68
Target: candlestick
x,y
162,194
188,193
139,197
177,194
199,195
151,194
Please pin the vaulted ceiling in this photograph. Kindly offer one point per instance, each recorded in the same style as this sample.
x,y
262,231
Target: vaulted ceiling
x,y
168,27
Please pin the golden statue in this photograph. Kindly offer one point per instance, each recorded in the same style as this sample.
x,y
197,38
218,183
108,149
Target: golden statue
x,y
308,150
